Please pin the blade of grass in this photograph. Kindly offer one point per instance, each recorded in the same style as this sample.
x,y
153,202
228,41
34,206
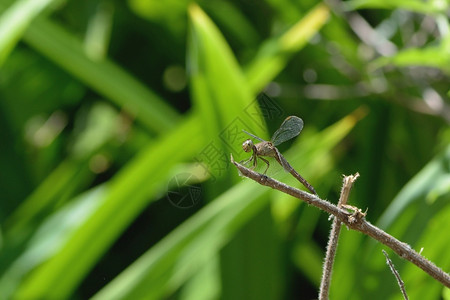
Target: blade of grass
x,y
416,189
47,193
50,235
435,243
103,76
433,56
168,264
219,89
101,128
233,20
274,54
412,5
15,20
128,193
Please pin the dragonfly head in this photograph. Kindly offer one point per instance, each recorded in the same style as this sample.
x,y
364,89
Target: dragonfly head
x,y
247,145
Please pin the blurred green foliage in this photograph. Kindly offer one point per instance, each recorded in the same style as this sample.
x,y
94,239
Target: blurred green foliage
x,y
118,119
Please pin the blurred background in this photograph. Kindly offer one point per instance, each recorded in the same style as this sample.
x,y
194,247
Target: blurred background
x,y
118,118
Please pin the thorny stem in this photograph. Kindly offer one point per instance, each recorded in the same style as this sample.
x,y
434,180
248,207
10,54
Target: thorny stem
x,y
333,239
400,282
355,221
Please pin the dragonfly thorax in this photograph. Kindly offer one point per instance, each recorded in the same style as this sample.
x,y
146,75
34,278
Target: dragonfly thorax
x,y
265,149
247,145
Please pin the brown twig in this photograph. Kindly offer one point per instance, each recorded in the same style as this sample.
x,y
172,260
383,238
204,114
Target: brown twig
x,y
355,220
333,239
396,274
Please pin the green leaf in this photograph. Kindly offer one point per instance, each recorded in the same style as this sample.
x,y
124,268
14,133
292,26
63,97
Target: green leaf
x,y
412,5
129,191
418,188
432,56
103,76
71,174
15,20
233,21
193,244
49,237
274,54
434,246
220,90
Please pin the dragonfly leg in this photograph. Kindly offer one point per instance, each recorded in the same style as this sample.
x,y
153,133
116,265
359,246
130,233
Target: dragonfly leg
x,y
255,162
267,162
250,159
246,161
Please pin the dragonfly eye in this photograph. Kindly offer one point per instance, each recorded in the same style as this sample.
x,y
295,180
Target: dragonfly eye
x,y
247,145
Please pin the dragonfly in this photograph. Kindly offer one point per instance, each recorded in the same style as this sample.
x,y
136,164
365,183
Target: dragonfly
x,y
290,128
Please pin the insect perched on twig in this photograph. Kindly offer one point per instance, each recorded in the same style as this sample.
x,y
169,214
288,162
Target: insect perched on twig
x,y
290,128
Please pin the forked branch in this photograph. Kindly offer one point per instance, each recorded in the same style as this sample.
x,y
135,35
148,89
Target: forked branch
x,y
354,220
333,239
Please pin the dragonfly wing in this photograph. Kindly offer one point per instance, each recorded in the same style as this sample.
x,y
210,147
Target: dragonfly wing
x,y
253,136
290,128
